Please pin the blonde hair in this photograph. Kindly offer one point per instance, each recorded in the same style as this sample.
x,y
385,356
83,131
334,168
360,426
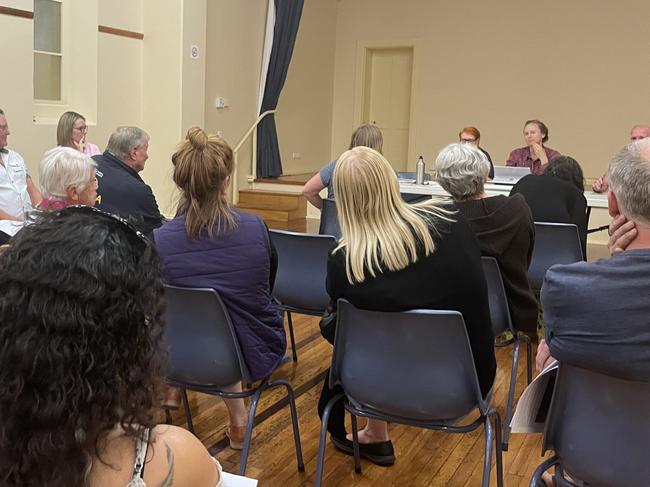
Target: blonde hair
x,y
202,165
367,136
64,128
379,230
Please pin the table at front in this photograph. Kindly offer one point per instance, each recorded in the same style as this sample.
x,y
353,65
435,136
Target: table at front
x,y
594,200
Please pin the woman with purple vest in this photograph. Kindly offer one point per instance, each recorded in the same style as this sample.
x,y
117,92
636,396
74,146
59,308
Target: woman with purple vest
x,y
209,244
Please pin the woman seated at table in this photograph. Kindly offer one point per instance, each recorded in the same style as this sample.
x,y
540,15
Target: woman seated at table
x,y
81,307
558,195
209,244
534,155
67,178
366,135
394,257
503,225
471,135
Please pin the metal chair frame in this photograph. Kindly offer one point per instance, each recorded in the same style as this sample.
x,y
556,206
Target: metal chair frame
x,y
347,315
219,389
502,322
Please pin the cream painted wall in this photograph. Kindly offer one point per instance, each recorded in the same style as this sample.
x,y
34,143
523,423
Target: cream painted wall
x,y
235,35
579,66
304,114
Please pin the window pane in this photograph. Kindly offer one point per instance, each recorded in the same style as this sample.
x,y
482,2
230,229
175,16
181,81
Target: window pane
x,y
47,26
47,77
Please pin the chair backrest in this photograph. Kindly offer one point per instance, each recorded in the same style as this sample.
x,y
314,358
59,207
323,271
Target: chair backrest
x,y
599,426
329,219
555,243
203,346
499,309
414,364
302,269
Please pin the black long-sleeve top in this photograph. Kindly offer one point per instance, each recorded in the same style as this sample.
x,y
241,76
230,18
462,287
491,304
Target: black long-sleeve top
x,y
449,279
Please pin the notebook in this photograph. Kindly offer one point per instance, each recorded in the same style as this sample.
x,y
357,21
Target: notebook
x,y
509,175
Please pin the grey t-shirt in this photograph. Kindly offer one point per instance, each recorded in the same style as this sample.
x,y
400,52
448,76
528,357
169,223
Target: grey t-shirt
x,y
597,314
326,175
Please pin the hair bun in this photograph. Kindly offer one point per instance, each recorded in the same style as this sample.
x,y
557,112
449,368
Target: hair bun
x,y
197,137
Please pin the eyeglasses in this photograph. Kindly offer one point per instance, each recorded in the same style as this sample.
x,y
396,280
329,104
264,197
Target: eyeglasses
x,y
83,128
468,141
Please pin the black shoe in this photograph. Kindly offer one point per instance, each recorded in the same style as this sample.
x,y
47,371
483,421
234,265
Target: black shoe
x,y
381,453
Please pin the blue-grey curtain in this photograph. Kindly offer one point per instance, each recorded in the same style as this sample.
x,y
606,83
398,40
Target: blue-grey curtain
x,y
287,20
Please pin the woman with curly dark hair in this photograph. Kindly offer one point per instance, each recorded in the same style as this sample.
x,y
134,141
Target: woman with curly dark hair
x,y
81,321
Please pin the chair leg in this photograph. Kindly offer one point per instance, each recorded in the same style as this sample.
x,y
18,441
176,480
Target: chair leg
x,y
511,395
186,408
294,422
499,452
249,430
293,340
487,461
543,467
320,456
529,360
355,445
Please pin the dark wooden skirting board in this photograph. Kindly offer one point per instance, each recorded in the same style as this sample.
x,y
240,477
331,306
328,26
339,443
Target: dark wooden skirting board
x,y
120,32
25,14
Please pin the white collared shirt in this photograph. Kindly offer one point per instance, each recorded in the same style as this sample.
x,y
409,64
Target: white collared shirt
x,y
14,198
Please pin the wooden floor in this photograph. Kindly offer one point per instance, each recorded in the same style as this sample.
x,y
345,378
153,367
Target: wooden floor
x,y
424,458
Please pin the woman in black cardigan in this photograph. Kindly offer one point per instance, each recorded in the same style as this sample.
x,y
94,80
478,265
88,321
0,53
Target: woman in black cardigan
x,y
429,259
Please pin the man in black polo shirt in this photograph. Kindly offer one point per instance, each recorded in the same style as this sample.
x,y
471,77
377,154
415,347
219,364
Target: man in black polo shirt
x,y
121,190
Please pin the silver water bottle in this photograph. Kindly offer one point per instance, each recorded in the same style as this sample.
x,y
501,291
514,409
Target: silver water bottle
x,y
419,171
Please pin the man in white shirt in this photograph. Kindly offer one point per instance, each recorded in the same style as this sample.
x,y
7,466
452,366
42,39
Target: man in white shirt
x,y
18,193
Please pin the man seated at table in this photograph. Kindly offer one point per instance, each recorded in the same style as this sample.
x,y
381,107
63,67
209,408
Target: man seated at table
x,y
638,132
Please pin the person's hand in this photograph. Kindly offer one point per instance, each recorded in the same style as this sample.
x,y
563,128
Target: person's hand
x,y
543,358
621,232
81,145
599,186
537,150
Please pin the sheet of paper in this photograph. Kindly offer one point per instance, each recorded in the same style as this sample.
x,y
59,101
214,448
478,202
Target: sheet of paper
x,y
527,410
232,480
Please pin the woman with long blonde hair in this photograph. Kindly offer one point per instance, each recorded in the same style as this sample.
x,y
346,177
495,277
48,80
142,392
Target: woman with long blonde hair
x,y
393,256
209,244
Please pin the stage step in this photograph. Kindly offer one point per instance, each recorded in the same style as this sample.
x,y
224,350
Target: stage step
x,y
280,210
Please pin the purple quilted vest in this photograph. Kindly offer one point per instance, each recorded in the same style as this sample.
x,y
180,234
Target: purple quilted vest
x,y
237,266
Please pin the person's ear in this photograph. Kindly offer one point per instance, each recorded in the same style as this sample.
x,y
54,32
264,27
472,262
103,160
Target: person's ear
x,y
612,205
73,194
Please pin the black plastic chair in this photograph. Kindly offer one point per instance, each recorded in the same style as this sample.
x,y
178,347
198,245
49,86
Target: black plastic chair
x,y
204,356
300,279
555,243
599,427
501,323
329,219
417,369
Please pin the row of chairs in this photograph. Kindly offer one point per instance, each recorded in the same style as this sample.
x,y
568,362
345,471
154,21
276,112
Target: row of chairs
x,y
598,425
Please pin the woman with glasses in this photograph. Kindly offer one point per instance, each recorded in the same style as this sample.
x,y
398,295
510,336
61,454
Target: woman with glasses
x,y
71,132
81,307
67,178
211,245
471,135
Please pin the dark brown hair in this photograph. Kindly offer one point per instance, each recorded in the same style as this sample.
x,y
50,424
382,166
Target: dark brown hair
x,y
202,165
542,128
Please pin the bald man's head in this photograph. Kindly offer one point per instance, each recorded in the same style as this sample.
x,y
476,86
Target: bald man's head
x,y
639,132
